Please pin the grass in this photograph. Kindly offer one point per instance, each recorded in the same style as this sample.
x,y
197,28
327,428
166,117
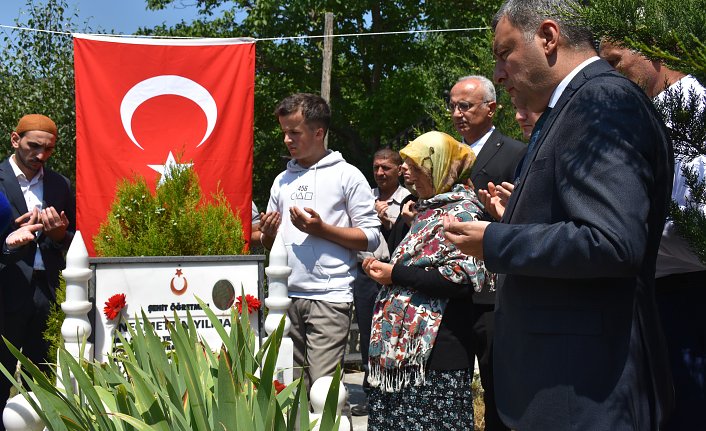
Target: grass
x,y
478,404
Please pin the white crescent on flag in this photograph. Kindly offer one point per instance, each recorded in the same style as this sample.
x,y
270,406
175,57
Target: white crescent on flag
x,y
172,85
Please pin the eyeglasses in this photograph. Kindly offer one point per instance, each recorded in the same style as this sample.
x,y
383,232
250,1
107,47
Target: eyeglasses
x,y
462,106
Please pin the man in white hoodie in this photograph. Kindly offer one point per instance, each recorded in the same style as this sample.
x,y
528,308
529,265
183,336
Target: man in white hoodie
x,y
324,210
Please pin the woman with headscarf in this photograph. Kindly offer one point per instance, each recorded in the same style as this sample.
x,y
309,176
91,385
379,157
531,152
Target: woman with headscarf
x,y
421,358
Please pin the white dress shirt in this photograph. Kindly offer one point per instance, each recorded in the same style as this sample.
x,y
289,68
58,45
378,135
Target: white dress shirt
x,y
33,192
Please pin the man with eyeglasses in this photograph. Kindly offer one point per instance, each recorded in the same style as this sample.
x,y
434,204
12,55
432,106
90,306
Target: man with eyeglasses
x,y
472,107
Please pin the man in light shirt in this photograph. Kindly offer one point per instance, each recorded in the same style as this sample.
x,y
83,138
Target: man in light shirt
x,y
29,272
323,209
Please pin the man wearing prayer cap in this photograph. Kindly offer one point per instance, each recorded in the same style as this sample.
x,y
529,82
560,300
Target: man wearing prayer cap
x,y
29,271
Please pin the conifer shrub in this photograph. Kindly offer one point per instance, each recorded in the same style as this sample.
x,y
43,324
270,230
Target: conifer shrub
x,y
175,221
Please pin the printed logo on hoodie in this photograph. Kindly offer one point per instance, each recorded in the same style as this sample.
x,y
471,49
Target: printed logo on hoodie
x,y
301,194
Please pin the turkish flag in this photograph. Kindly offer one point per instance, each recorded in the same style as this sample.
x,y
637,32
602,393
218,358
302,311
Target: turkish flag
x,y
141,103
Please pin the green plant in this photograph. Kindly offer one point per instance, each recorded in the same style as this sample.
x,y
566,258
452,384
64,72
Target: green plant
x,y
56,318
144,386
37,74
673,33
174,221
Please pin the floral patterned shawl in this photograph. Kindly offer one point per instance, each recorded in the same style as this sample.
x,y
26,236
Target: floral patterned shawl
x,y
406,322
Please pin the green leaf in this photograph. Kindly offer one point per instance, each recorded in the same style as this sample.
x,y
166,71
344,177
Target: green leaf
x,y
328,417
302,408
226,395
285,397
145,393
88,392
136,423
125,404
213,319
184,347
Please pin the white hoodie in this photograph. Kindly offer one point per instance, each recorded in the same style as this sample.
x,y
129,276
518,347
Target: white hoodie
x,y
340,194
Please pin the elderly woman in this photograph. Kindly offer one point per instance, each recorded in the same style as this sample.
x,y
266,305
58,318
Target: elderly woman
x,y
421,357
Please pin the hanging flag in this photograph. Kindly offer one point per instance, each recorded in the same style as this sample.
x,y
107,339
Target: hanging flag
x,y
145,104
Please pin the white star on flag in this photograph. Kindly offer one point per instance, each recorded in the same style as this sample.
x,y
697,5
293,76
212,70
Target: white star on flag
x,y
168,166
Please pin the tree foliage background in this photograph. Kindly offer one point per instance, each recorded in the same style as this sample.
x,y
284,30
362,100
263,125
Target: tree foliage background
x,y
37,76
674,33
383,87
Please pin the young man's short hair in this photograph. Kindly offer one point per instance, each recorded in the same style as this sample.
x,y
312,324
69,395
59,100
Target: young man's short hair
x,y
313,107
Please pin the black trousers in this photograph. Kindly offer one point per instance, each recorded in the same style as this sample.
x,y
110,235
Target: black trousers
x,y
365,291
483,327
24,328
681,299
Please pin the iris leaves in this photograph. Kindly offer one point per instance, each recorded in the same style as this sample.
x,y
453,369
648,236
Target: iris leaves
x,y
147,385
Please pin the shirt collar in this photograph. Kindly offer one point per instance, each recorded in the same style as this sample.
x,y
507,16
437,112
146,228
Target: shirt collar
x,y
482,139
559,90
397,197
19,174
399,194
684,85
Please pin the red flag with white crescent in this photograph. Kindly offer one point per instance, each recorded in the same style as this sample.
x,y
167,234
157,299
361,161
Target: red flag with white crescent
x,y
142,103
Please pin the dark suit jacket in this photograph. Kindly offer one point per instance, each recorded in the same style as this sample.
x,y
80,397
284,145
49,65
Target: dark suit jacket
x,y
16,266
578,345
497,160
495,163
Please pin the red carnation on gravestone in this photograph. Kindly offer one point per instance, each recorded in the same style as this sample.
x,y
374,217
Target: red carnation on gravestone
x,y
114,306
279,387
253,303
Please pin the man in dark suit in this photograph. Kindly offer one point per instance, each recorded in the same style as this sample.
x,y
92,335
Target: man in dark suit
x,y
680,275
29,273
472,105
578,343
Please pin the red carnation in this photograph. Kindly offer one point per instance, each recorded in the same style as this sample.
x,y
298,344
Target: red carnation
x,y
253,303
279,387
114,306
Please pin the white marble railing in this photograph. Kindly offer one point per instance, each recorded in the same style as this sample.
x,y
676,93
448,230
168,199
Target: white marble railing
x,y
319,392
278,302
77,326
